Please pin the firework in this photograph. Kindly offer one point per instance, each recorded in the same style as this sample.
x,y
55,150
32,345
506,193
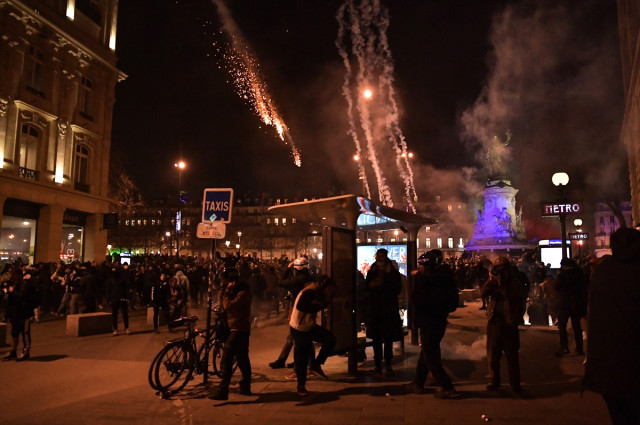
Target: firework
x,y
363,28
243,67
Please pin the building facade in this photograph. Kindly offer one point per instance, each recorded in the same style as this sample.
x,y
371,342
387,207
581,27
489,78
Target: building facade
x,y
57,83
606,222
629,31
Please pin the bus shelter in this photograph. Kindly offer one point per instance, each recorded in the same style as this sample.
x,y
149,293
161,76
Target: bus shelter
x,y
340,218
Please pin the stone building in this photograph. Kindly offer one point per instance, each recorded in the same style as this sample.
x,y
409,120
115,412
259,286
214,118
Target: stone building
x,y
57,83
629,30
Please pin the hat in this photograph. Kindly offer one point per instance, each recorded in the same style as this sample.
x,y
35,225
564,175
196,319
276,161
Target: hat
x,y
568,262
300,263
427,258
230,273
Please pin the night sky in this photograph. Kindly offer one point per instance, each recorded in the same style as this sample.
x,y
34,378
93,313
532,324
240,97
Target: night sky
x,y
547,72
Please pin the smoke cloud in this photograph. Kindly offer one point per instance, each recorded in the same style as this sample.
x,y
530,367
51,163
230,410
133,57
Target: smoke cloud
x,y
455,350
558,92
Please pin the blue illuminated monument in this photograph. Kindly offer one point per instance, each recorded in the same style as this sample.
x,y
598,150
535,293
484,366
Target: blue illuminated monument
x,y
498,226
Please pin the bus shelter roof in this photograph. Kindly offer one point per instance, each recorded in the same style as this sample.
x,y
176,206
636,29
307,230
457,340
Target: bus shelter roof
x,y
351,212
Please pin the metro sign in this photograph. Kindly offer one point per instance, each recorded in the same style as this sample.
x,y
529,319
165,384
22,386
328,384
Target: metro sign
x,y
561,208
578,236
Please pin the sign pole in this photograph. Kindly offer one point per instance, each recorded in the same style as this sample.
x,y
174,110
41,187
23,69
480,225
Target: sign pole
x,y
207,340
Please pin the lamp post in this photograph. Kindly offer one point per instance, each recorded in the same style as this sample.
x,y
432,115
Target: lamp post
x,y
238,246
578,224
180,165
560,180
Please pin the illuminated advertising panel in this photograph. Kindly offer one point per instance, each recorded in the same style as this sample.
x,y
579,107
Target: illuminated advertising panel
x,y
397,254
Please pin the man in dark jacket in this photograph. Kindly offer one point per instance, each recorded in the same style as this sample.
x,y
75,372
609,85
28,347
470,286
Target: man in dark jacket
x,y
304,329
572,304
504,312
383,285
236,301
612,367
429,310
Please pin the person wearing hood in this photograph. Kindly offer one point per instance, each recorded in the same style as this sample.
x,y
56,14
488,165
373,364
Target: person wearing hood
x,y
384,326
236,302
612,368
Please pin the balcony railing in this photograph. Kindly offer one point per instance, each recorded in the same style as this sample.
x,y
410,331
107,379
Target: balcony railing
x,y
28,173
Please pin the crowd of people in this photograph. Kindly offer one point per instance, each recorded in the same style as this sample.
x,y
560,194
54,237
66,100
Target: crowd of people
x,y
248,288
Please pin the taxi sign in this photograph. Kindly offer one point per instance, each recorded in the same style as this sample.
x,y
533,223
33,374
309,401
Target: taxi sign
x,y
216,205
211,230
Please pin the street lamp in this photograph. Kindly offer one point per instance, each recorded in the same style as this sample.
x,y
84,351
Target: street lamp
x,y
578,224
238,245
560,180
180,165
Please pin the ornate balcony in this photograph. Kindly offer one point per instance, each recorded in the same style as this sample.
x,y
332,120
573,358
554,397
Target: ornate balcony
x,y
27,173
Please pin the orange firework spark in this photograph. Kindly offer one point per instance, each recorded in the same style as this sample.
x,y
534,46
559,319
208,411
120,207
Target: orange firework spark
x,y
251,87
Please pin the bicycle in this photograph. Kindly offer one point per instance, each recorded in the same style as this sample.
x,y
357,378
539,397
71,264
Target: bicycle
x,y
173,367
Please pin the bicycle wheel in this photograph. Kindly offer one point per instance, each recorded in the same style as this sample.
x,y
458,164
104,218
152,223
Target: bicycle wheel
x,y
152,370
216,356
174,367
218,348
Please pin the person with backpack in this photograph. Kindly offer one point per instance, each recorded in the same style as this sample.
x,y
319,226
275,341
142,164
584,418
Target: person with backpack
x,y
434,296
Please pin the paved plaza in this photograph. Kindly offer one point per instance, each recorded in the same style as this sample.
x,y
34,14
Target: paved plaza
x,y
102,379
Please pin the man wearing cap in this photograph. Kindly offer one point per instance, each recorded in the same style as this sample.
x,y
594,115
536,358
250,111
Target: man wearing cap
x,y
504,311
428,310
383,284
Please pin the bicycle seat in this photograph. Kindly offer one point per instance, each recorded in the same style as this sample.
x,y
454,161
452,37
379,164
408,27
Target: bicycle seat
x,y
184,319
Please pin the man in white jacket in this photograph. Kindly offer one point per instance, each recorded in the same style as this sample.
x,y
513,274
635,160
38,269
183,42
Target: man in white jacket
x,y
313,298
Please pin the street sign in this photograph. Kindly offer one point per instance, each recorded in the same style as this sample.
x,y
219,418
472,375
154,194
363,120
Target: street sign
x,y
211,230
561,208
216,205
578,236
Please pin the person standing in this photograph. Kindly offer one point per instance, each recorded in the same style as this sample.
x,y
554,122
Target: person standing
x,y
504,313
612,368
21,300
429,308
117,294
159,298
236,302
313,298
64,276
572,304
384,326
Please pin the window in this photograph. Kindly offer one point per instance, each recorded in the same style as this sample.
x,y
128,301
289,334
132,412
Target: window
x,y
34,71
439,242
449,207
81,168
450,242
428,243
276,220
91,9
284,221
85,97
29,146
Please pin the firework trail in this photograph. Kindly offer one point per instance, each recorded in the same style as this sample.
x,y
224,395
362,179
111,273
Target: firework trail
x,y
366,21
250,86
